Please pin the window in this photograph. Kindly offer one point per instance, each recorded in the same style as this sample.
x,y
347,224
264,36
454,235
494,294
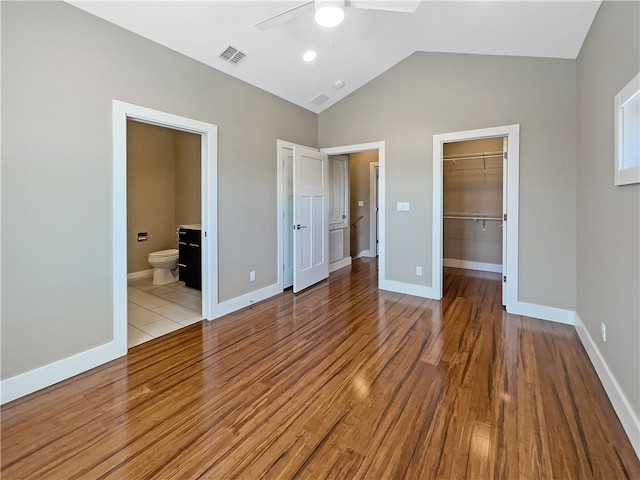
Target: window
x,y
627,131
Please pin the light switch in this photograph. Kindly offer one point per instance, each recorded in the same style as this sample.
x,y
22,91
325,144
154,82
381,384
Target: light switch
x,y
361,203
403,206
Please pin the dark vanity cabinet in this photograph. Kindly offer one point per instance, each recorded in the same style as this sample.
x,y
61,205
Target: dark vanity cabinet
x,y
190,258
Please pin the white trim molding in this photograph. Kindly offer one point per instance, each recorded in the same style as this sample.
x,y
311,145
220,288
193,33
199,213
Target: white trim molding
x,y
542,312
47,375
246,300
338,264
140,274
626,172
373,209
469,265
629,420
408,289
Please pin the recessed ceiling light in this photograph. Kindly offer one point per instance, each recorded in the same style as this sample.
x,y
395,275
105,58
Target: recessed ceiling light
x,y
339,84
309,56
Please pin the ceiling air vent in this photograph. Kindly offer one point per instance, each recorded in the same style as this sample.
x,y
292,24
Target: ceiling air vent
x,y
232,55
319,99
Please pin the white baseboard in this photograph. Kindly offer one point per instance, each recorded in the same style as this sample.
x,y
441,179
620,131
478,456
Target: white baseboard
x,y
337,265
408,288
140,274
230,306
365,253
39,378
469,265
621,405
543,312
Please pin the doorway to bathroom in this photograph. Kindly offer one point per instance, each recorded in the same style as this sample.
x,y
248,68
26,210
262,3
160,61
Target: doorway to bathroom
x,y
163,195
164,177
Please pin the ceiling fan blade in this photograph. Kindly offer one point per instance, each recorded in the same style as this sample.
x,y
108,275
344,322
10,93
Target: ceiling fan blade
x,y
403,6
285,16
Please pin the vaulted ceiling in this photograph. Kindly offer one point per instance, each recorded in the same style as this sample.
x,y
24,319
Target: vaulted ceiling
x,y
367,43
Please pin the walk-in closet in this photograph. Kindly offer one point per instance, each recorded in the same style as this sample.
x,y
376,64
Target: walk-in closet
x,y
473,204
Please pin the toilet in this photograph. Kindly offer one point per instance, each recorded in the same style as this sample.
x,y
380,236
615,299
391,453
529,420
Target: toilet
x,y
165,266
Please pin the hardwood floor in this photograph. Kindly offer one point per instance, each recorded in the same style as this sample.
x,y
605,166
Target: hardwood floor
x,y
340,381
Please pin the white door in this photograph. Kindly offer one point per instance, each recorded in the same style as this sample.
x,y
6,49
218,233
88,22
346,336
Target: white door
x,y
311,217
339,192
504,220
338,208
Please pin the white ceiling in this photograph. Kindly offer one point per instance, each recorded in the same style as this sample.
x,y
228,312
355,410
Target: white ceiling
x,y
366,44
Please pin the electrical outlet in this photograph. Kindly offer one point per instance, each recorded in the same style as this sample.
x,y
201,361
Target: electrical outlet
x,y
604,332
419,271
252,276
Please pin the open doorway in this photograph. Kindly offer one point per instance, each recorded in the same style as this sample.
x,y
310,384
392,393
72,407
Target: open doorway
x,y
163,206
363,202
472,204
207,134
478,227
340,206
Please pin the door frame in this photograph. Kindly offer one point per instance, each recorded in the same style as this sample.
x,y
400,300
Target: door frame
x,y
511,269
343,150
121,112
374,200
363,147
281,179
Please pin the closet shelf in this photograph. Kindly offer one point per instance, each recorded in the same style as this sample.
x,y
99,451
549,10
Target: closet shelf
x,y
473,156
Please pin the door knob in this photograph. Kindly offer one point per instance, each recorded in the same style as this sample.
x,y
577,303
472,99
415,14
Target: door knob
x,y
298,226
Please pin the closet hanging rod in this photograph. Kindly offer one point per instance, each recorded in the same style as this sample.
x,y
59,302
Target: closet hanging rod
x,y
476,218
453,158
471,216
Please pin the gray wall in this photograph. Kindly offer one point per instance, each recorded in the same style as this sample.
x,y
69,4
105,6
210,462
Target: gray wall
x,y
188,178
163,188
61,69
431,93
151,192
608,216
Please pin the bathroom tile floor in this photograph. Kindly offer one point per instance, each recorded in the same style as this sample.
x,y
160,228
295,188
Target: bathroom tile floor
x,y
155,310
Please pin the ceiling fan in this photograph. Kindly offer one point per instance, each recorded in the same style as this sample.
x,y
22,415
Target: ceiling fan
x,y
330,13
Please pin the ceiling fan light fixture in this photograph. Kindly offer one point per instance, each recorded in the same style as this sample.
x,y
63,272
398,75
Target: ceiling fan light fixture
x,y
329,13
